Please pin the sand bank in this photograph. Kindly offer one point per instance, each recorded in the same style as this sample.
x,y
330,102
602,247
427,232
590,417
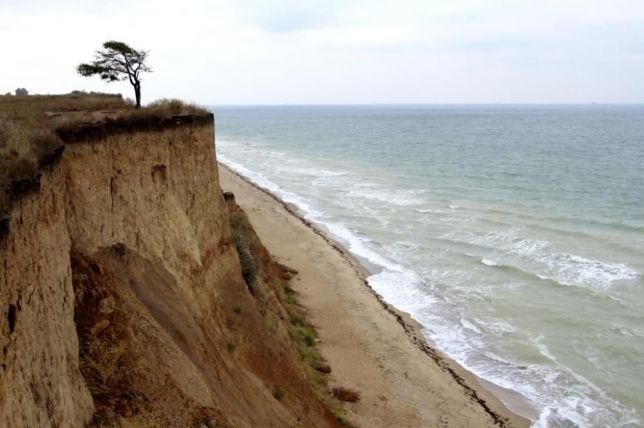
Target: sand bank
x,y
371,347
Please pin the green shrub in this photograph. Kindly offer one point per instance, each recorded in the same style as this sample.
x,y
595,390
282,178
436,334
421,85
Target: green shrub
x,y
295,317
338,412
305,334
291,299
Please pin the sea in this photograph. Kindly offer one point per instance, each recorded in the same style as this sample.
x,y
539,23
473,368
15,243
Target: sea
x,y
513,233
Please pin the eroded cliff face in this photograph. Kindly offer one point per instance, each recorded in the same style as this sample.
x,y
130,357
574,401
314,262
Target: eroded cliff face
x,y
40,379
124,300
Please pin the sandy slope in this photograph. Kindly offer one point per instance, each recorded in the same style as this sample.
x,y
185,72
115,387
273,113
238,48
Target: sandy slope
x,y
371,348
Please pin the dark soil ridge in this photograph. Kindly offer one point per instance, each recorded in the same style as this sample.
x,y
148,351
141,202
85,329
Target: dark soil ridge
x,y
94,131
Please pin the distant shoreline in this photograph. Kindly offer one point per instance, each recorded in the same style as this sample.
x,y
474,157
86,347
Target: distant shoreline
x,y
486,395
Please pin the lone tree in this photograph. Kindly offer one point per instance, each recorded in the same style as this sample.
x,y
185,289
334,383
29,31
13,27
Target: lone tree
x,y
118,61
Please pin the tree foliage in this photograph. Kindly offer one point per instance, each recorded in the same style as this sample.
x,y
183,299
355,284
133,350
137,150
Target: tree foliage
x,y
118,61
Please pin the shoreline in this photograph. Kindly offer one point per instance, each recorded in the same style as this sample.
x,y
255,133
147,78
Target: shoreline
x,y
488,397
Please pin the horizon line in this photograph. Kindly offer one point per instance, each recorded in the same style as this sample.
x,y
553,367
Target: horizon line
x,y
426,104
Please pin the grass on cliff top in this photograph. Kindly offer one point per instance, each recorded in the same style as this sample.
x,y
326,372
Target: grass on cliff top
x,y
165,107
28,125
21,116
24,120
36,111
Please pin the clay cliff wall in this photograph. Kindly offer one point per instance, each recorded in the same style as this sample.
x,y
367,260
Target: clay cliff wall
x,y
123,296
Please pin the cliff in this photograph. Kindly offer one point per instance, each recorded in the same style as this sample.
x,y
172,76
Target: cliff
x,y
123,296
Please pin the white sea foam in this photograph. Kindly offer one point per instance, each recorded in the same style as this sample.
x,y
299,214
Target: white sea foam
x,y
313,172
497,327
540,258
429,211
461,343
470,326
582,403
259,179
375,192
355,244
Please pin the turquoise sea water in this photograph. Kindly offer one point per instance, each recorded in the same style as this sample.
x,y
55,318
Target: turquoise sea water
x,y
513,234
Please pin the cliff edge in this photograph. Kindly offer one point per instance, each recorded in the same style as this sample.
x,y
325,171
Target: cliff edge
x,y
122,293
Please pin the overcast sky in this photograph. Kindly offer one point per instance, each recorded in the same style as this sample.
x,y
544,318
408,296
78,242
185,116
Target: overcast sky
x,y
333,52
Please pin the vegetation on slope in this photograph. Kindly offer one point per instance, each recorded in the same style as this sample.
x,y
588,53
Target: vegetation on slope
x,y
268,281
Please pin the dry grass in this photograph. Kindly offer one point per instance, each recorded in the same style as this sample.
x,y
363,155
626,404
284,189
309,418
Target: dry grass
x,y
30,112
6,131
69,122
173,106
40,112
25,125
26,144
17,179
19,169
28,139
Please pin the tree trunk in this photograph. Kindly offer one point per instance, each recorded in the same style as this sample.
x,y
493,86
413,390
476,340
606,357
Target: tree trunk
x,y
137,94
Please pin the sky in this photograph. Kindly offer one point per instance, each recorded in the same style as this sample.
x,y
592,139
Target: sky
x,y
337,52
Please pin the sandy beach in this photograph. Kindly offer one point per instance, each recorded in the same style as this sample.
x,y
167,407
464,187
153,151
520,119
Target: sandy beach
x,y
371,347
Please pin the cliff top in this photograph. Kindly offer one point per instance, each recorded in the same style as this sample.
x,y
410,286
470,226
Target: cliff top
x,y
34,129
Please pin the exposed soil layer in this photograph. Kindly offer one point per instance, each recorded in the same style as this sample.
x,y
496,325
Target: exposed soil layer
x,y
85,132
